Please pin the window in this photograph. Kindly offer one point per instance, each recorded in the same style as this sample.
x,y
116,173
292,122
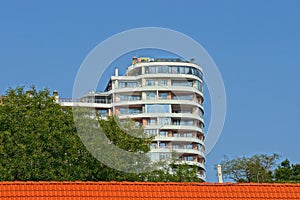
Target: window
x,y
162,69
102,113
151,132
181,70
163,95
200,112
150,70
176,134
176,122
182,83
137,124
183,122
188,146
189,135
164,120
199,86
101,100
163,145
188,158
130,111
184,97
187,122
154,156
162,82
163,133
174,70
164,156
129,97
153,146
150,95
123,84
200,147
150,82
151,121
163,108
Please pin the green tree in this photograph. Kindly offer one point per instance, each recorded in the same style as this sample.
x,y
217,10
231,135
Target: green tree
x,y
258,168
39,141
286,172
37,138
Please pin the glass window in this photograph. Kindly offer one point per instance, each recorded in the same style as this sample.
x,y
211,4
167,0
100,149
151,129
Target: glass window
x,y
176,122
150,95
151,121
157,108
150,82
163,69
183,97
150,70
181,83
199,73
188,158
200,147
154,156
189,135
164,120
187,70
183,122
187,122
164,156
181,70
162,82
129,97
130,111
176,134
137,124
151,132
199,86
153,146
163,95
102,113
188,146
174,70
200,113
163,133
163,145
123,84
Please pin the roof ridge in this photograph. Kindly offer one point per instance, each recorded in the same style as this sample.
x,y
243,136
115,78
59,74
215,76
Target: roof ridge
x,y
144,183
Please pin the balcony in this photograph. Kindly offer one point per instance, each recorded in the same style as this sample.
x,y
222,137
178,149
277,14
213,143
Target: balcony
x,y
191,163
166,149
61,100
179,139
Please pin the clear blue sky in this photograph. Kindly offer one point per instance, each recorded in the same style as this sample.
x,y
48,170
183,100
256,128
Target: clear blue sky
x,y
255,44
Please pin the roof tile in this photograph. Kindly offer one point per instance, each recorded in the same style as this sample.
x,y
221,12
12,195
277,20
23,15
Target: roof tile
x,y
145,190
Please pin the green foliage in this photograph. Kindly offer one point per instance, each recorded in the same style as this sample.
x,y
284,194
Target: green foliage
x,y
257,168
173,172
286,172
39,141
37,138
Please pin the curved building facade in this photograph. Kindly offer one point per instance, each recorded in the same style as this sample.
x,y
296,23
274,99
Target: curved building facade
x,y
165,96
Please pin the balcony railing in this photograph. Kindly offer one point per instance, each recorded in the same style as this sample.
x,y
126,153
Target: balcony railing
x,y
68,100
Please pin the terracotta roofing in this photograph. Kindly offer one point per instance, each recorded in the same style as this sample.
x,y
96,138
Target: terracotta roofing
x,y
145,191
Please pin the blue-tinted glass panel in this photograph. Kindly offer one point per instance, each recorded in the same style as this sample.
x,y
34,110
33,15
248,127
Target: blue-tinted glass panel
x,y
163,108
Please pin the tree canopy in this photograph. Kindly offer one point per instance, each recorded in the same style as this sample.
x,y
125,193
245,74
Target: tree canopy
x,y
260,168
39,141
286,172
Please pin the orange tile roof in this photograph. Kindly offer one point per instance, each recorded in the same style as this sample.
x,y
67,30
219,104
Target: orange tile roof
x,y
145,191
